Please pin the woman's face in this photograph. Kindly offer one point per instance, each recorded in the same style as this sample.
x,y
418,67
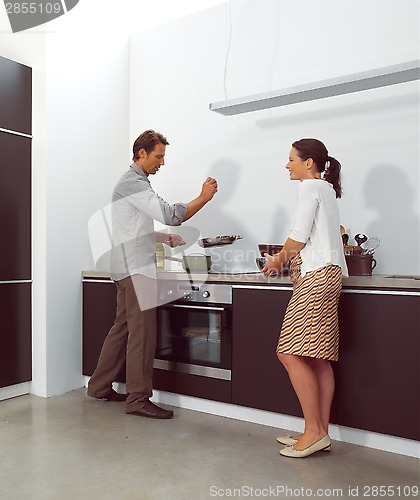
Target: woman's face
x,y
297,168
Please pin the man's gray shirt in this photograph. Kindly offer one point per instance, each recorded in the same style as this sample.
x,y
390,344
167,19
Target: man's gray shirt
x,y
135,206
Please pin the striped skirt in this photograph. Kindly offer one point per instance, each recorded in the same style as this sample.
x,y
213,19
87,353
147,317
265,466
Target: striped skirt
x,y
310,324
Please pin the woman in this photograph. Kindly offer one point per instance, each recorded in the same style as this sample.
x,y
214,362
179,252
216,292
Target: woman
x,y
309,335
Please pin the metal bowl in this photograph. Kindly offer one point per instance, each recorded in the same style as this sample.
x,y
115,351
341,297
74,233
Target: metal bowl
x,y
261,262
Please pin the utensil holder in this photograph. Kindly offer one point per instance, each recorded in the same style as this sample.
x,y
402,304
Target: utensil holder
x,y
360,265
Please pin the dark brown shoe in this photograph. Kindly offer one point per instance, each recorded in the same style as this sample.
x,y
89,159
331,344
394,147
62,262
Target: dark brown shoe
x,y
114,396
150,410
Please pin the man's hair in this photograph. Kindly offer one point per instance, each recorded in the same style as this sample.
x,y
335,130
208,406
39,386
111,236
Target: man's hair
x,y
147,141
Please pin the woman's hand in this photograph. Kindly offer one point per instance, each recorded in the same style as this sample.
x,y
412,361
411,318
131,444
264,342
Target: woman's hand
x,y
273,266
275,262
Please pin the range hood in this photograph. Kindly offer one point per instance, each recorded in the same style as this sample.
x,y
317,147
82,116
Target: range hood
x,y
348,84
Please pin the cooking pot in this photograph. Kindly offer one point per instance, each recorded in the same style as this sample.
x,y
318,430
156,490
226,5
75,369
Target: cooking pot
x,y
360,264
194,263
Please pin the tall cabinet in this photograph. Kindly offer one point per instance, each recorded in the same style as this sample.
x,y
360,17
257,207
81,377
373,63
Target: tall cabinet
x,y
15,222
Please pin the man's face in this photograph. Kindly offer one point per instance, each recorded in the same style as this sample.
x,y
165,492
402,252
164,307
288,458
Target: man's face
x,y
151,163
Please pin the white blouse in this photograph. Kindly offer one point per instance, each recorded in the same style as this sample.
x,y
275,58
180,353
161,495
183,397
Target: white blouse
x,y
317,224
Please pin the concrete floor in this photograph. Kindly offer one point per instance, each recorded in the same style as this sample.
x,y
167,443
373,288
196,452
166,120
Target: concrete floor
x,y
71,447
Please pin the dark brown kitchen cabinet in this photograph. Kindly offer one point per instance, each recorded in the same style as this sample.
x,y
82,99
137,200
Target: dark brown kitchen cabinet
x,y
192,385
378,374
258,378
99,304
15,333
15,222
15,207
15,96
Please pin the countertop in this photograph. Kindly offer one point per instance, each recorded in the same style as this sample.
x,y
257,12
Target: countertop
x,y
375,282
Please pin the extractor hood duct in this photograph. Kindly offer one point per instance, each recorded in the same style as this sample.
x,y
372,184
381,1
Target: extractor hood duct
x,y
348,84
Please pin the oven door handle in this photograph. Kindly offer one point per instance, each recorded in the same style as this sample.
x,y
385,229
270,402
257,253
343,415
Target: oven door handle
x,y
204,308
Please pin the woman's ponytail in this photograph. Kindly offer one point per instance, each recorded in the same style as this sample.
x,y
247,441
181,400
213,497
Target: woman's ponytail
x,y
332,175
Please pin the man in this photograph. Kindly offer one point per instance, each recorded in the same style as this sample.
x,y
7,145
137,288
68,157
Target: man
x,y
132,338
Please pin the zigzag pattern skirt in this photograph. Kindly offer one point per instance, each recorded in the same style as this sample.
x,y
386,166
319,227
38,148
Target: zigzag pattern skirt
x,y
310,324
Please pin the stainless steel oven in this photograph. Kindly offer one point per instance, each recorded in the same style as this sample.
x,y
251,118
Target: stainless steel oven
x,y
195,331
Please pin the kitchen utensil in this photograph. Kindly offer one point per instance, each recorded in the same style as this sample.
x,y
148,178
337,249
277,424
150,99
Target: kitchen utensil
x,y
261,262
352,250
218,240
360,265
345,238
270,249
194,263
369,246
360,238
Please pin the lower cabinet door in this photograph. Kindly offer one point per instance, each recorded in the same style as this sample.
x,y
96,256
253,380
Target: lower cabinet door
x,y
99,306
15,334
377,374
258,378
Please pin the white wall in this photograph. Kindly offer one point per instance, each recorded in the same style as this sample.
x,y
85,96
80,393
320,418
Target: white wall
x,y
87,115
80,128
271,45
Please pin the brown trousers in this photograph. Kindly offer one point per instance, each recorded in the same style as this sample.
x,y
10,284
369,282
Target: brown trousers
x,y
132,339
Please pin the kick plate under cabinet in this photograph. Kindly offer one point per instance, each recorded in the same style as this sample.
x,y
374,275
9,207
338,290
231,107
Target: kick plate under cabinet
x,y
203,371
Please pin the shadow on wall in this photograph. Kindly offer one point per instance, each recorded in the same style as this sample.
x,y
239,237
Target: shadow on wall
x,y
280,228
220,218
389,192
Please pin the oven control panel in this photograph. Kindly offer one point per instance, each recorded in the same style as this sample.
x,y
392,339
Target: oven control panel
x,y
219,294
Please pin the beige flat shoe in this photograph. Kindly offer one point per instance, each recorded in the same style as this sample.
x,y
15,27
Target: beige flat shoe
x,y
319,445
289,441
